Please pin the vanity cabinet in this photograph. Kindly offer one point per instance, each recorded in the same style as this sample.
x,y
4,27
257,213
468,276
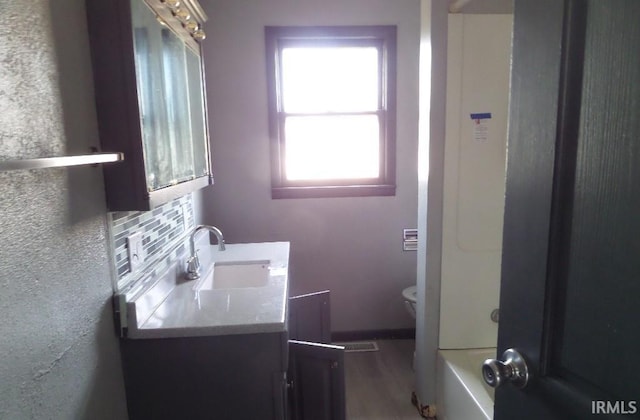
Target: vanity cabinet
x,y
278,375
150,98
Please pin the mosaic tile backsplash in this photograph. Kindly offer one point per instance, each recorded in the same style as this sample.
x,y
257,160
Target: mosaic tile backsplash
x,y
162,229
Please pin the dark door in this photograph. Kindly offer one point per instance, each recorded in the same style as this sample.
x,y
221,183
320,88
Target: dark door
x,y
570,295
316,379
316,368
310,317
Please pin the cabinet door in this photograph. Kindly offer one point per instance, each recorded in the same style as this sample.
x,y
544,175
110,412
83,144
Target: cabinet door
x,y
310,317
316,379
162,59
150,101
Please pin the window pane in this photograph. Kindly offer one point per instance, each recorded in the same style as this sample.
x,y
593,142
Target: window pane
x,y
330,79
332,147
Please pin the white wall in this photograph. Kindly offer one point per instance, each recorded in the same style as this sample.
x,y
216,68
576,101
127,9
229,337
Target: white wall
x,y
479,51
352,246
432,88
58,350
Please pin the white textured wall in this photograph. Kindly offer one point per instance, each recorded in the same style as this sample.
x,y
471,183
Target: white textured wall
x,y
58,351
479,49
352,246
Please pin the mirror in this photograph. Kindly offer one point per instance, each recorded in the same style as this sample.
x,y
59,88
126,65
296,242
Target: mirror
x,y
171,101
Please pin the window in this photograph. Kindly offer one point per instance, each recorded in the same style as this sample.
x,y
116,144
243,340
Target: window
x,y
332,110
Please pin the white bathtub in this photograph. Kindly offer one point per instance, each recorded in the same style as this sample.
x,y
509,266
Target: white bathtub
x,y
461,392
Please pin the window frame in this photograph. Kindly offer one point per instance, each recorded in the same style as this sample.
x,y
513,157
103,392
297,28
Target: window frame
x,y
384,38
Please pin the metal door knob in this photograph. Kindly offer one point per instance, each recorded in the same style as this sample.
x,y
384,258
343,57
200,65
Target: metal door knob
x,y
513,369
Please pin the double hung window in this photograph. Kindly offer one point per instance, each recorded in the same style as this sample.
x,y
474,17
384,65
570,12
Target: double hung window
x,y
332,110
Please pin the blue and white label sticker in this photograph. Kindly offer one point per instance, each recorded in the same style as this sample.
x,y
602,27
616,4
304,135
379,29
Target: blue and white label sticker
x,y
481,116
480,126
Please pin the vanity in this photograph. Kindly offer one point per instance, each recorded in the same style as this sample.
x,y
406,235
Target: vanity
x,y
231,344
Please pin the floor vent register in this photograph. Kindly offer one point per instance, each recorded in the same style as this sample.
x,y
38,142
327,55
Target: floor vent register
x,y
359,346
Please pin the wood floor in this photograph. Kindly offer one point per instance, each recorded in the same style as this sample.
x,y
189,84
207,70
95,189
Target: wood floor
x,y
379,384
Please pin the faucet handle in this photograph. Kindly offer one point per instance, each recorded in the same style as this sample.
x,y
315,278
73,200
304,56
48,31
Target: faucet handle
x,y
193,267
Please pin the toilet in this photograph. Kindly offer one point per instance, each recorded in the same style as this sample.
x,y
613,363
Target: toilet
x,y
409,295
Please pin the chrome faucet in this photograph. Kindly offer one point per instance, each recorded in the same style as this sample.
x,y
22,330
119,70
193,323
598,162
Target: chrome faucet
x,y
193,264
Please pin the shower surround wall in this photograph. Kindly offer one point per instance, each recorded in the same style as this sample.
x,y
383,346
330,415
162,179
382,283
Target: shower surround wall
x,y
479,52
60,356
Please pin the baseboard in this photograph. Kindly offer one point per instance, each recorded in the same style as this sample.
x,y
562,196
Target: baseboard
x,y
405,333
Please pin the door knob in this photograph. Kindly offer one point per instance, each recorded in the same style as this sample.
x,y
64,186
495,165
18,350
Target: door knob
x,y
513,369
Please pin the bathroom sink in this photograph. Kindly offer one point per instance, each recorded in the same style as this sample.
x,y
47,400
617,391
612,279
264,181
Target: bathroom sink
x,y
236,275
242,290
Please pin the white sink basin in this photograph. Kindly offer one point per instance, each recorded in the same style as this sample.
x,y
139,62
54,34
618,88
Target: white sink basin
x,y
236,275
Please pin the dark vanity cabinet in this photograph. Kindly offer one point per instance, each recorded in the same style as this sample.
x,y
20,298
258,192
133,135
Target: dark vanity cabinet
x,y
270,375
150,98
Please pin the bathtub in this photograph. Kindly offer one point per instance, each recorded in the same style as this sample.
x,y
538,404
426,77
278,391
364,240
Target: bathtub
x,y
461,392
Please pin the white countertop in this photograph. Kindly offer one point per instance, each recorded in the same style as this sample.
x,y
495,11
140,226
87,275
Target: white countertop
x,y
179,308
